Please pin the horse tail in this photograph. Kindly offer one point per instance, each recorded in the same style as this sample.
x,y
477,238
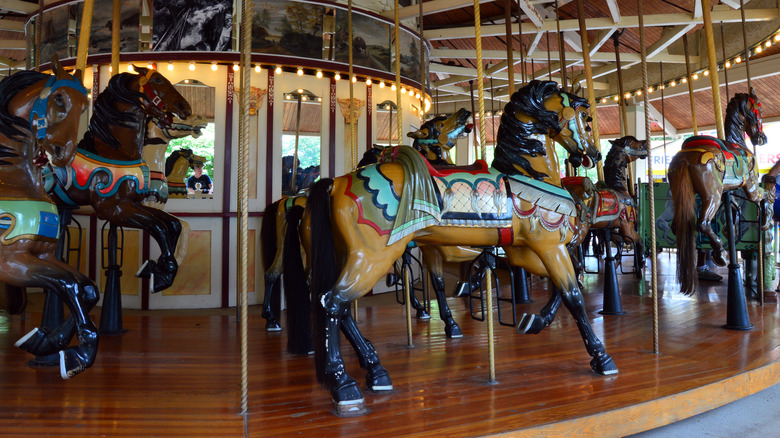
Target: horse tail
x,y
295,287
684,227
323,266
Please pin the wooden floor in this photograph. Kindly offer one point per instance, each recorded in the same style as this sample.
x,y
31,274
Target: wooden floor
x,y
177,373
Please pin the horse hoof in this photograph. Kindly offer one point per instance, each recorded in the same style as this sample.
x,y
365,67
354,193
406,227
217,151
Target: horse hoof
x,y
391,280
717,257
71,363
423,315
146,270
379,381
350,408
529,324
461,290
603,365
453,331
272,325
348,400
36,342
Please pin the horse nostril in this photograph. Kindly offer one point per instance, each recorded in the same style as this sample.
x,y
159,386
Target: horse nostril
x,y
57,150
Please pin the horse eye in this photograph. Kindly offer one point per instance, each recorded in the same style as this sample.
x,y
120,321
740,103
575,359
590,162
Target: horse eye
x,y
59,100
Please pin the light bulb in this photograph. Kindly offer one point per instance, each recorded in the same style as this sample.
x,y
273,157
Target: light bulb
x,y
235,66
392,87
381,85
337,76
319,74
300,71
257,68
214,66
368,81
192,65
278,70
170,65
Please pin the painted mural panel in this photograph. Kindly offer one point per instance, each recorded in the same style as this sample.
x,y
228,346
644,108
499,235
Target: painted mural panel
x,y
194,275
54,34
287,28
370,41
410,56
102,22
202,25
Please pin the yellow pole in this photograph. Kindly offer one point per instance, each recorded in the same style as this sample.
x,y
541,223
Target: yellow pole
x,y
650,188
115,21
690,87
480,81
713,64
510,62
397,45
491,340
407,282
352,125
589,81
86,26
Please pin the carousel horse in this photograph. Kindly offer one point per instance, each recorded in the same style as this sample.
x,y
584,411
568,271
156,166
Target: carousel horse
x,y
612,206
708,166
355,226
109,172
434,139
39,121
155,145
176,167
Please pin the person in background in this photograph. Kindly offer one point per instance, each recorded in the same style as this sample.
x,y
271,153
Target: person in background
x,y
199,180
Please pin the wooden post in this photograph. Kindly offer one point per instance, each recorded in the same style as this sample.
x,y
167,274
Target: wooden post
x,y
115,22
86,27
589,81
621,100
510,62
690,87
713,65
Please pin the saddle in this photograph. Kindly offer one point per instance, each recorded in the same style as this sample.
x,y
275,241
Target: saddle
x,y
736,164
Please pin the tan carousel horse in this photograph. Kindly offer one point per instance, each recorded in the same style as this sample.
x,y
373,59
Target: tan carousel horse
x,y
433,140
39,120
707,166
356,226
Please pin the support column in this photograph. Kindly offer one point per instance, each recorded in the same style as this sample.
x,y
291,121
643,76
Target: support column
x,y
635,125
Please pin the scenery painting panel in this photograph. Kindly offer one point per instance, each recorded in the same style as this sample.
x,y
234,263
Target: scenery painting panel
x,y
196,25
370,41
102,18
54,34
287,28
410,56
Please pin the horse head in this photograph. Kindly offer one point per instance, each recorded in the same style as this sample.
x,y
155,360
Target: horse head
x,y
574,132
753,124
628,148
164,101
53,107
178,128
437,136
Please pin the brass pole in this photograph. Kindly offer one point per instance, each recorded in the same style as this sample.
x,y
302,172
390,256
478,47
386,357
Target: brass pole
x,y
295,150
243,196
690,87
352,121
725,70
116,18
745,44
650,189
510,62
561,50
491,340
663,112
713,64
549,60
86,27
523,71
407,281
480,80
621,100
589,82
397,46
39,37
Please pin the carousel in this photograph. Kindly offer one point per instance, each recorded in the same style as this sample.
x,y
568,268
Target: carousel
x,y
198,199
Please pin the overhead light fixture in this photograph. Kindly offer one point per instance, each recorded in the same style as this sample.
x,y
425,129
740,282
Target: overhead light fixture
x,y
149,65
684,80
319,99
337,76
300,91
759,49
170,65
706,72
673,84
616,98
214,65
649,90
738,59
381,85
368,81
192,65
319,74
638,92
603,100
258,69
354,79
392,87
278,70
300,71
695,76
130,68
235,66
728,64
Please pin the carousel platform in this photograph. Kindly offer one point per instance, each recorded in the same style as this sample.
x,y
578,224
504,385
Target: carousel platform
x,y
177,373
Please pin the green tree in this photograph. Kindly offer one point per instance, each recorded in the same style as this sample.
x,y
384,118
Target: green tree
x,y
202,146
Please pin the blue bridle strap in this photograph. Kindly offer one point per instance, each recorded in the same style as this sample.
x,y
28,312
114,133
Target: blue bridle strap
x,y
38,112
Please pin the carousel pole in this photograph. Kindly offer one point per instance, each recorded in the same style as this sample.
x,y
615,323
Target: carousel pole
x,y
352,121
86,27
38,37
589,81
621,100
650,189
663,110
483,154
690,87
522,46
549,59
713,65
243,195
561,48
760,280
725,70
406,281
510,61
116,18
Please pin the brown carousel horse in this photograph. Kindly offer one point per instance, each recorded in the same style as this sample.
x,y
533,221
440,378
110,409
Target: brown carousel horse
x,y
109,172
708,166
39,118
609,204
433,140
356,226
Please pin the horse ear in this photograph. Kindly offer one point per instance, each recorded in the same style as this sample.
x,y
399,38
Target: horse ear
x,y
79,75
57,68
417,134
612,141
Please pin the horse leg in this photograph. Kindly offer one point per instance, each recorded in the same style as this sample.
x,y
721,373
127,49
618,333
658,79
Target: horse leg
x,y
434,265
271,302
562,275
377,377
531,323
710,202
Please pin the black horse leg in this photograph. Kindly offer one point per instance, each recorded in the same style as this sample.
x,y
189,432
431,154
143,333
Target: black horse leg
x,y
377,377
81,298
602,362
272,305
533,324
42,343
451,328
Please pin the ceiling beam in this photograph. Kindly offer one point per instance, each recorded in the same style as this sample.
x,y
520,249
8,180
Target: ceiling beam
x,y
542,55
614,11
668,36
601,39
19,6
431,7
734,3
465,73
676,19
13,45
11,25
660,119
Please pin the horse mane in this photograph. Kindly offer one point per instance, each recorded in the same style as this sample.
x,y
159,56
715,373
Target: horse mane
x,y
432,132
174,157
737,114
514,137
106,115
615,165
11,126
